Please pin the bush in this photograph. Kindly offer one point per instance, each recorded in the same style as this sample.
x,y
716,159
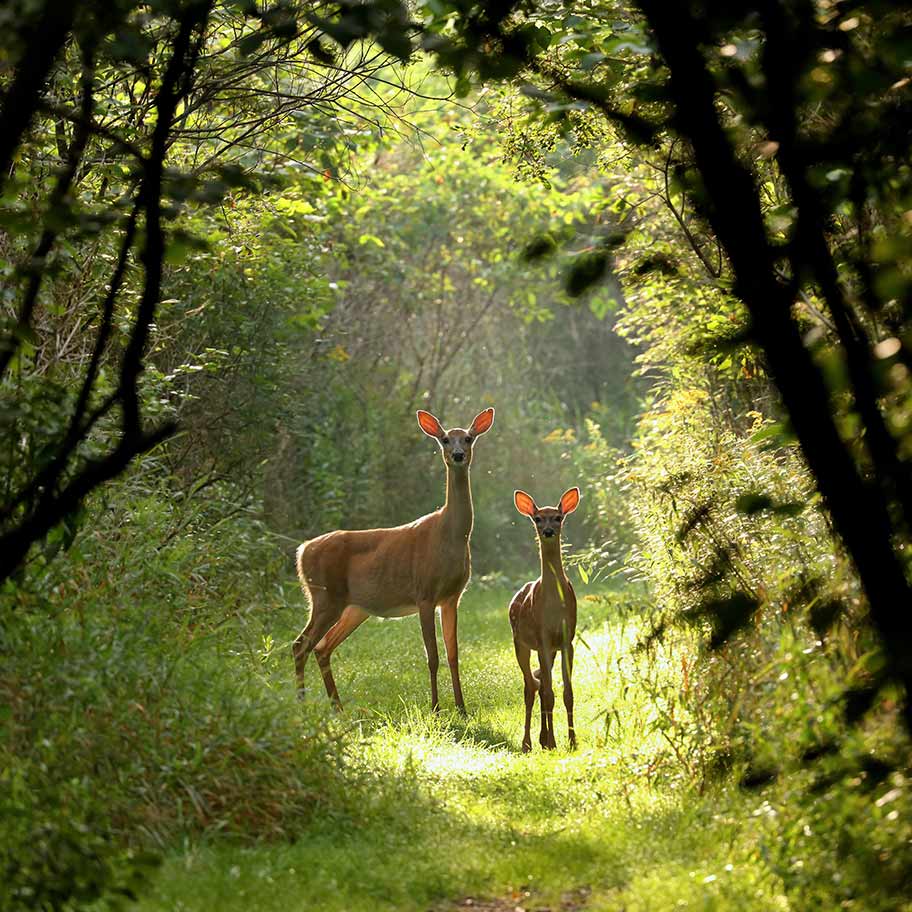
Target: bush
x,y
56,848
138,704
761,669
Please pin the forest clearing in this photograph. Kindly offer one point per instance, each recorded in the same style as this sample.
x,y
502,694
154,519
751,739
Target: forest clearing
x,y
450,814
288,617
390,806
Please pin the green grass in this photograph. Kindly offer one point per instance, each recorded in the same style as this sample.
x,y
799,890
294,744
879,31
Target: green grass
x,y
451,808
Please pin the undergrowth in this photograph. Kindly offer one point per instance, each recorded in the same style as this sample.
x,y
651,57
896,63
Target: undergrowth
x,y
149,716
132,719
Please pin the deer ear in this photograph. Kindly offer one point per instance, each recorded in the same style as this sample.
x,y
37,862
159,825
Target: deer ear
x,y
483,421
569,500
430,425
524,503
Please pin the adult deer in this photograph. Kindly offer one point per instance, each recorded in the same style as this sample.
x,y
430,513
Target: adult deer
x,y
543,618
392,573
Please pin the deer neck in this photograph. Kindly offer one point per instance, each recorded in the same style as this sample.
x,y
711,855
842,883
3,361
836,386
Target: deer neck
x,y
552,566
457,511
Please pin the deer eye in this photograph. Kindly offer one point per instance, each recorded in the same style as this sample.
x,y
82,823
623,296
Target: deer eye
x,y
446,440
468,440
558,518
537,519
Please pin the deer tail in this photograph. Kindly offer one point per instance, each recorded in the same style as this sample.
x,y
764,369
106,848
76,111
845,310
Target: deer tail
x,y
300,555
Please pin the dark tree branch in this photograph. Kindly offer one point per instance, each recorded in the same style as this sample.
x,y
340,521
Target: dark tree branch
x,y
41,43
784,56
55,502
860,514
714,271
58,202
78,431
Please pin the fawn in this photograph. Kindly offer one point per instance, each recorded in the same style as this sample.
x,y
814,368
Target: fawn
x,y
348,576
543,618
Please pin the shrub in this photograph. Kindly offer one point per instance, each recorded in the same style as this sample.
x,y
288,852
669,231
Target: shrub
x,y
138,706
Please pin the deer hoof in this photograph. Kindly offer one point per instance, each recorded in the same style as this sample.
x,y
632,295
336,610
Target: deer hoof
x,y
527,747
460,708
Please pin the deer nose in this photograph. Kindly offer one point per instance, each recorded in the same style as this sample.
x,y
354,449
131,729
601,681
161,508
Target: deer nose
x,y
458,457
548,533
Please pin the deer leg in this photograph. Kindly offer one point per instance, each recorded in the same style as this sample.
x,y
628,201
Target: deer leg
x,y
523,657
546,698
567,675
429,632
448,622
352,618
323,614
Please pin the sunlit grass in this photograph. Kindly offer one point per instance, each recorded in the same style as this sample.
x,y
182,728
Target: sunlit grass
x,y
454,808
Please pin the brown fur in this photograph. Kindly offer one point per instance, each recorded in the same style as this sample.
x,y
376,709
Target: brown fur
x,y
349,576
543,618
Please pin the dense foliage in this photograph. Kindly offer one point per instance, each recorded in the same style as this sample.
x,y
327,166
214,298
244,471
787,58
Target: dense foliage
x,y
242,243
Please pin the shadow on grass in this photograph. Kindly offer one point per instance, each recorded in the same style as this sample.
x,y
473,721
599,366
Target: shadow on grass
x,y
410,714
445,849
447,724
482,734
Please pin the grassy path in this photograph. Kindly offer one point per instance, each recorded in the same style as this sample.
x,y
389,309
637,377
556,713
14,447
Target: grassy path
x,y
454,815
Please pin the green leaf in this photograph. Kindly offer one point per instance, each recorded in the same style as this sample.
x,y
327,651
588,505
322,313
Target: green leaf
x,y
371,239
824,614
539,248
727,616
586,270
